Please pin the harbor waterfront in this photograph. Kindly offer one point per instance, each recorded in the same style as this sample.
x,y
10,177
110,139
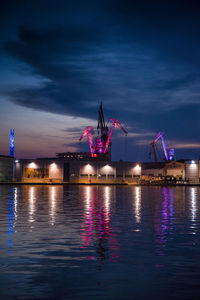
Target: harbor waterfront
x,y
73,170
99,242
100,150
97,166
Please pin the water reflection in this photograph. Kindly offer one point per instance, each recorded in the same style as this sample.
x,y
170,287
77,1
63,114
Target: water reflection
x,y
164,216
96,225
171,211
163,220
15,204
107,201
105,220
87,226
193,208
137,203
32,199
10,218
52,204
12,214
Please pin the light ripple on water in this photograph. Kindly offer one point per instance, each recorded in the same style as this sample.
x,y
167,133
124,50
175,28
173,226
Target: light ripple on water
x,y
92,242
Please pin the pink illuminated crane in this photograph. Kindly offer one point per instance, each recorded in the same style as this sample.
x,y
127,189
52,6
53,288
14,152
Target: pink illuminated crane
x,y
115,122
102,141
169,155
87,132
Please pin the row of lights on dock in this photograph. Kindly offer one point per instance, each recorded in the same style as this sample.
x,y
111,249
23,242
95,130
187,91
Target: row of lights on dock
x,y
32,165
88,167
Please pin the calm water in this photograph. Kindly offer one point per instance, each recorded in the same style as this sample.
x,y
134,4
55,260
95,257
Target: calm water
x,y
89,242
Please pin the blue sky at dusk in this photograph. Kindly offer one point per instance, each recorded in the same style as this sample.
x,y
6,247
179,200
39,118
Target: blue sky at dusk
x,y
60,58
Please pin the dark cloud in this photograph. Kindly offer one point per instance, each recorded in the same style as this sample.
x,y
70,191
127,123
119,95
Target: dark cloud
x,y
74,130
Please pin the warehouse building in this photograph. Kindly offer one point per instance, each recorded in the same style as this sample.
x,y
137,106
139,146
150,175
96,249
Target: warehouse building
x,y
153,169
58,170
175,170
192,171
6,168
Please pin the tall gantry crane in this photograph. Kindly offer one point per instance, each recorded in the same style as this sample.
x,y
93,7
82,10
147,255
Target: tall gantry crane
x,y
168,153
101,146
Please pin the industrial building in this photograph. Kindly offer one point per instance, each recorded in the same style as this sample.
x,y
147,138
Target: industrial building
x,y
6,168
63,170
186,171
56,170
192,171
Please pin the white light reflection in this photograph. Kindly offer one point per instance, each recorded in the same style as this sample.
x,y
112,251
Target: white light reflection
x,y
137,205
15,204
87,225
193,207
31,204
52,205
107,203
87,199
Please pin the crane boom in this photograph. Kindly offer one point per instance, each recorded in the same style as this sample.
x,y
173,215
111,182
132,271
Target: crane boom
x,y
164,147
115,122
169,155
87,132
160,135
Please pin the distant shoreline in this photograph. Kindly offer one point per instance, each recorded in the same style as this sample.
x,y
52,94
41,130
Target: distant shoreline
x,y
100,184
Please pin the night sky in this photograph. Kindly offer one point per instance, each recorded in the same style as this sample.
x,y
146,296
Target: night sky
x,y
59,59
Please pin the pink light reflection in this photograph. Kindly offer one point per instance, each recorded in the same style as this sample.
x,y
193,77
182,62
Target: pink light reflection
x,y
96,229
163,220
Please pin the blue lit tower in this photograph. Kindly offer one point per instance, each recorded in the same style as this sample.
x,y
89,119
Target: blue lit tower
x,y
12,144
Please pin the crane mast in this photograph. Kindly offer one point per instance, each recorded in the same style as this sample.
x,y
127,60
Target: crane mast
x,y
153,149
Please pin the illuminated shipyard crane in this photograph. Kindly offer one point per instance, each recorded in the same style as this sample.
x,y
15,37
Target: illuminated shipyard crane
x,y
115,122
169,155
88,133
102,141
